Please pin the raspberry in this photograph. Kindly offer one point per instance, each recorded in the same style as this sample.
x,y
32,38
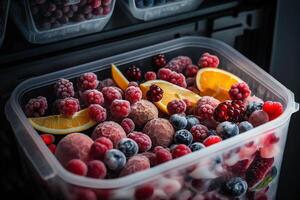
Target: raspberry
x,y
106,83
239,91
230,111
99,148
52,148
177,79
162,155
205,111
199,132
36,107
133,83
176,107
48,139
191,70
208,100
150,76
68,106
128,125
120,108
273,109
151,156
64,88
133,94
179,63
87,81
164,73
159,60
155,93
210,140
133,73
97,113
77,166
208,60
110,94
92,97
96,169
95,3
180,150
144,142
144,192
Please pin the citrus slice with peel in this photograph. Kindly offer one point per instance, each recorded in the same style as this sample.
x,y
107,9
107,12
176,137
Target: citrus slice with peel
x,y
171,92
119,78
60,124
215,82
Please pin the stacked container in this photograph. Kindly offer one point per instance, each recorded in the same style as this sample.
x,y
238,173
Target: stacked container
x,y
4,9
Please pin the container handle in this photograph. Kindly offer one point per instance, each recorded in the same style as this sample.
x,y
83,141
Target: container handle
x,y
296,107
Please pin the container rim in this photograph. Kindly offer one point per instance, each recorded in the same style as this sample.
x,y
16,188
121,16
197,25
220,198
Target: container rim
x,y
137,178
158,6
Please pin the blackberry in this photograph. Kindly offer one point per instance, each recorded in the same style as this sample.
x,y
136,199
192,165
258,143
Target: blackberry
x,y
36,107
133,73
159,60
64,88
155,93
230,111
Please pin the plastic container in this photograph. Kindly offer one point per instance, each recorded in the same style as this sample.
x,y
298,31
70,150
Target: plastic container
x,y
4,9
41,29
195,173
159,11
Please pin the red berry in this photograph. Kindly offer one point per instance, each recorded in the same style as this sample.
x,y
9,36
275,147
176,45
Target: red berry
x,y
87,81
208,100
96,169
176,106
97,113
204,112
155,93
180,150
210,140
110,94
164,74
133,73
105,141
162,155
52,148
177,79
133,83
133,94
48,138
150,76
190,81
258,117
273,109
84,194
144,192
95,3
179,64
64,88
159,60
208,60
230,111
36,107
99,148
106,83
120,108
106,10
239,91
128,125
68,106
92,97
77,166
191,70
199,132
143,141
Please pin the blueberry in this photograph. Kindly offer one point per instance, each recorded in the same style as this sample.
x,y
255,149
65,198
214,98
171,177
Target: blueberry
x,y
183,137
128,146
227,129
191,121
114,159
148,3
196,146
212,132
253,106
139,3
245,126
235,187
178,121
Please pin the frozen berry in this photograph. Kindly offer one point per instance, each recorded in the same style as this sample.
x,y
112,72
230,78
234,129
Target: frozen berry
x,y
143,141
191,121
77,166
245,126
212,139
208,60
162,155
164,73
108,82
227,129
99,148
204,112
239,91
95,3
199,132
208,100
144,192
114,159
133,73
190,81
155,93
178,121
106,10
273,109
159,60
235,187
150,76
133,94
68,106
128,146
128,125
133,83
92,97
191,70
106,2
180,150
177,79
64,88
135,164
79,193
36,107
258,117
48,138
120,108
179,64
97,113
176,106
110,94
253,106
183,137
196,146
96,169
87,81
52,148
230,111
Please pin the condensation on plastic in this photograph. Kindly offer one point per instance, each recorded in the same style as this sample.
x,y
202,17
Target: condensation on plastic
x,y
22,16
159,11
175,171
4,9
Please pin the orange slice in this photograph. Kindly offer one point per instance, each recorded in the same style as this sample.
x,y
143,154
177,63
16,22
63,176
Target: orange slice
x,y
60,124
119,78
171,92
215,82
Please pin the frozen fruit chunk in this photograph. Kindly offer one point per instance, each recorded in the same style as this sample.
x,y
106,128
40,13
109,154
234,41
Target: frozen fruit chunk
x,y
142,112
135,164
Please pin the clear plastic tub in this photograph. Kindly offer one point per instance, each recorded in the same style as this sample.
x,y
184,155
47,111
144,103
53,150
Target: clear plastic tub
x,y
4,9
159,11
60,24
196,173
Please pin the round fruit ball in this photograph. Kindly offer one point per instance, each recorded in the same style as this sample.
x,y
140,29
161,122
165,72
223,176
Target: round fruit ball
x,y
258,117
160,131
227,129
96,169
77,166
135,164
235,187
73,146
144,141
183,137
245,126
142,112
128,146
191,121
178,121
114,159
196,146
